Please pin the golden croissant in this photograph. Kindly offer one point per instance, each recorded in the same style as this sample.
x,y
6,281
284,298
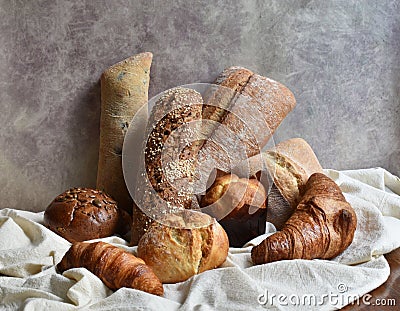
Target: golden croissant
x,y
114,266
322,226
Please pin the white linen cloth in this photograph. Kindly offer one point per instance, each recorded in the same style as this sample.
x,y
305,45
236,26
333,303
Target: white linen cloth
x,y
29,251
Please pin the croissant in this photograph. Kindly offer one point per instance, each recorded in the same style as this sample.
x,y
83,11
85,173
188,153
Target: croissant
x,y
115,267
322,226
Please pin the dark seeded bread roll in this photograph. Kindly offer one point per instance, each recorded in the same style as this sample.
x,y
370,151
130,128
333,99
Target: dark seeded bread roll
x,y
81,214
170,173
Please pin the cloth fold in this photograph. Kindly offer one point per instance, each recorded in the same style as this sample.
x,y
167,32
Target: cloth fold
x,y
29,252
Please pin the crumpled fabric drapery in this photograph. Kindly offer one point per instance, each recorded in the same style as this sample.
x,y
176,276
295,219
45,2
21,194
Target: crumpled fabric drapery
x,y
29,252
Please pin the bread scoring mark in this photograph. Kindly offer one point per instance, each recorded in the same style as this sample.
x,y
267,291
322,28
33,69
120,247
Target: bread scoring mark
x,y
206,239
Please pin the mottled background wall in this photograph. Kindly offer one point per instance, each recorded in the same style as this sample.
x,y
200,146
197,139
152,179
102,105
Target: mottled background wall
x,y
340,58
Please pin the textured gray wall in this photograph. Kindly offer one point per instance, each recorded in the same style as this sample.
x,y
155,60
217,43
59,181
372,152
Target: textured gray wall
x,y
340,58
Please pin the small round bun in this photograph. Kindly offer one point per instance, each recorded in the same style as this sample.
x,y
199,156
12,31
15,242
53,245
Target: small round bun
x,y
233,196
81,214
240,206
184,245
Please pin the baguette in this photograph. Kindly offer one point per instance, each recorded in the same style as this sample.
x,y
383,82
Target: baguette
x,y
124,88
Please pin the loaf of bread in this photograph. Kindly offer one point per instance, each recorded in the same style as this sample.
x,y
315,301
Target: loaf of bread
x,y
81,214
170,173
247,109
124,88
322,226
259,102
186,244
291,163
239,204
247,117
115,267
218,99
234,197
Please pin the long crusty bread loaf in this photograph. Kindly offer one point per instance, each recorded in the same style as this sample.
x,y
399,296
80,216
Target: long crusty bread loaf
x,y
219,99
247,117
169,159
124,88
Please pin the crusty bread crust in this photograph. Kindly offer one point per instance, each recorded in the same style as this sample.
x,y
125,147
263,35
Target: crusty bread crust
x,y
248,110
291,163
185,245
124,88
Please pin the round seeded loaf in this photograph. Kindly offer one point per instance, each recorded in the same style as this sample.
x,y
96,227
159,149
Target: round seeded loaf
x,y
81,214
